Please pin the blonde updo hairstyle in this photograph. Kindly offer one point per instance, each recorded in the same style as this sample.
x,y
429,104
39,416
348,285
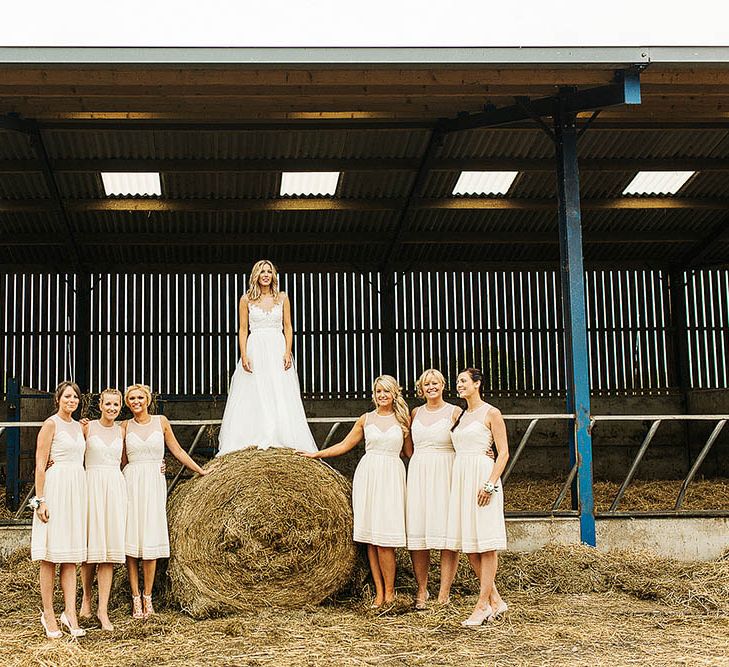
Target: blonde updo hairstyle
x,y
402,412
254,289
138,387
110,391
420,382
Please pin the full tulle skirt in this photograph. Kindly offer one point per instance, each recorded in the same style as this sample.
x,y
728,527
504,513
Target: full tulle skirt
x,y
264,407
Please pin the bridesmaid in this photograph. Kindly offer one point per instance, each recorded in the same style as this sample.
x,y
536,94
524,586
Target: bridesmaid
x,y
378,488
107,504
59,520
146,531
429,485
476,507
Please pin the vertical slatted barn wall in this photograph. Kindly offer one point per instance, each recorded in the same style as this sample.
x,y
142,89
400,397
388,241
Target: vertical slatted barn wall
x,y
506,323
628,331
178,332
707,318
37,342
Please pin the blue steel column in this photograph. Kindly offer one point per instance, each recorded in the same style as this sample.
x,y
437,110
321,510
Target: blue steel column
x,y
12,480
575,318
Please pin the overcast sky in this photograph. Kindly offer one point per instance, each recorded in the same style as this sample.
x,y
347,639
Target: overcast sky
x,y
364,23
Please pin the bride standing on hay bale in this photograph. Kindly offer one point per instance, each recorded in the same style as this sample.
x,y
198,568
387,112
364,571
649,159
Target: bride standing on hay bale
x,y
378,487
264,406
476,506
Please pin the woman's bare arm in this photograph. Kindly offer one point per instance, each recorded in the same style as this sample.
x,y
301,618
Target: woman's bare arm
x,y
243,333
176,449
42,454
351,440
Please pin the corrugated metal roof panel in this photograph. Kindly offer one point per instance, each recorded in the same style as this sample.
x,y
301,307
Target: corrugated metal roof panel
x,y
249,185
230,222
30,185
650,143
497,143
375,184
15,146
229,144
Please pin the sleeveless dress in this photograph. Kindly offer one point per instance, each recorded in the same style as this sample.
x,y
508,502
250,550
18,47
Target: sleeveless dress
x,y
107,494
264,407
146,531
63,538
378,487
429,478
474,529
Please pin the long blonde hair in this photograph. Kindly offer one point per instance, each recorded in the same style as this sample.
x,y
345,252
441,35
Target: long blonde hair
x,y
402,412
254,289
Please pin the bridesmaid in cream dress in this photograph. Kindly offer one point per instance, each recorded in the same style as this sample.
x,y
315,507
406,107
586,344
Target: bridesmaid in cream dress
x,y
476,507
146,531
378,488
429,485
107,504
59,520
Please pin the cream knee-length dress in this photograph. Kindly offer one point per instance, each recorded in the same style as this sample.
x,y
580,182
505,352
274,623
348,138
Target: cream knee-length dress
x,y
107,494
63,538
378,487
474,529
146,532
429,478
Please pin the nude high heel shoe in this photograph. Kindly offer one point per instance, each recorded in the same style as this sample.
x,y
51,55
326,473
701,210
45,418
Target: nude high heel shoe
x,y
147,605
75,632
477,617
137,607
498,611
51,634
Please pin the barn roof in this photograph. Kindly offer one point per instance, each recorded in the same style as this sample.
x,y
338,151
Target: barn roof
x,y
221,125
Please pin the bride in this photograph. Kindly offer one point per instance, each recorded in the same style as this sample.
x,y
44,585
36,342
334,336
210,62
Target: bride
x,y
264,403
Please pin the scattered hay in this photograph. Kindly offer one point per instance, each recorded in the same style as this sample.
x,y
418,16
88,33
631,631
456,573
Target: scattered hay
x,y
264,528
578,569
641,496
569,606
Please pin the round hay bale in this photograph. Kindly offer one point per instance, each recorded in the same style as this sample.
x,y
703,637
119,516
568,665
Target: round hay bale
x,y
264,528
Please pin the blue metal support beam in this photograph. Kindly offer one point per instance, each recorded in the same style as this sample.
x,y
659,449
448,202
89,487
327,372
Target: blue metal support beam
x,y
574,315
625,90
12,479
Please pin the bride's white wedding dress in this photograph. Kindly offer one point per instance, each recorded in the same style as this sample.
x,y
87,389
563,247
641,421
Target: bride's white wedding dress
x,y
264,407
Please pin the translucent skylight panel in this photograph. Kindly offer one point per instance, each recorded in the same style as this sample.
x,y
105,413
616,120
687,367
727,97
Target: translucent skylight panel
x,y
318,183
657,182
146,184
484,182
